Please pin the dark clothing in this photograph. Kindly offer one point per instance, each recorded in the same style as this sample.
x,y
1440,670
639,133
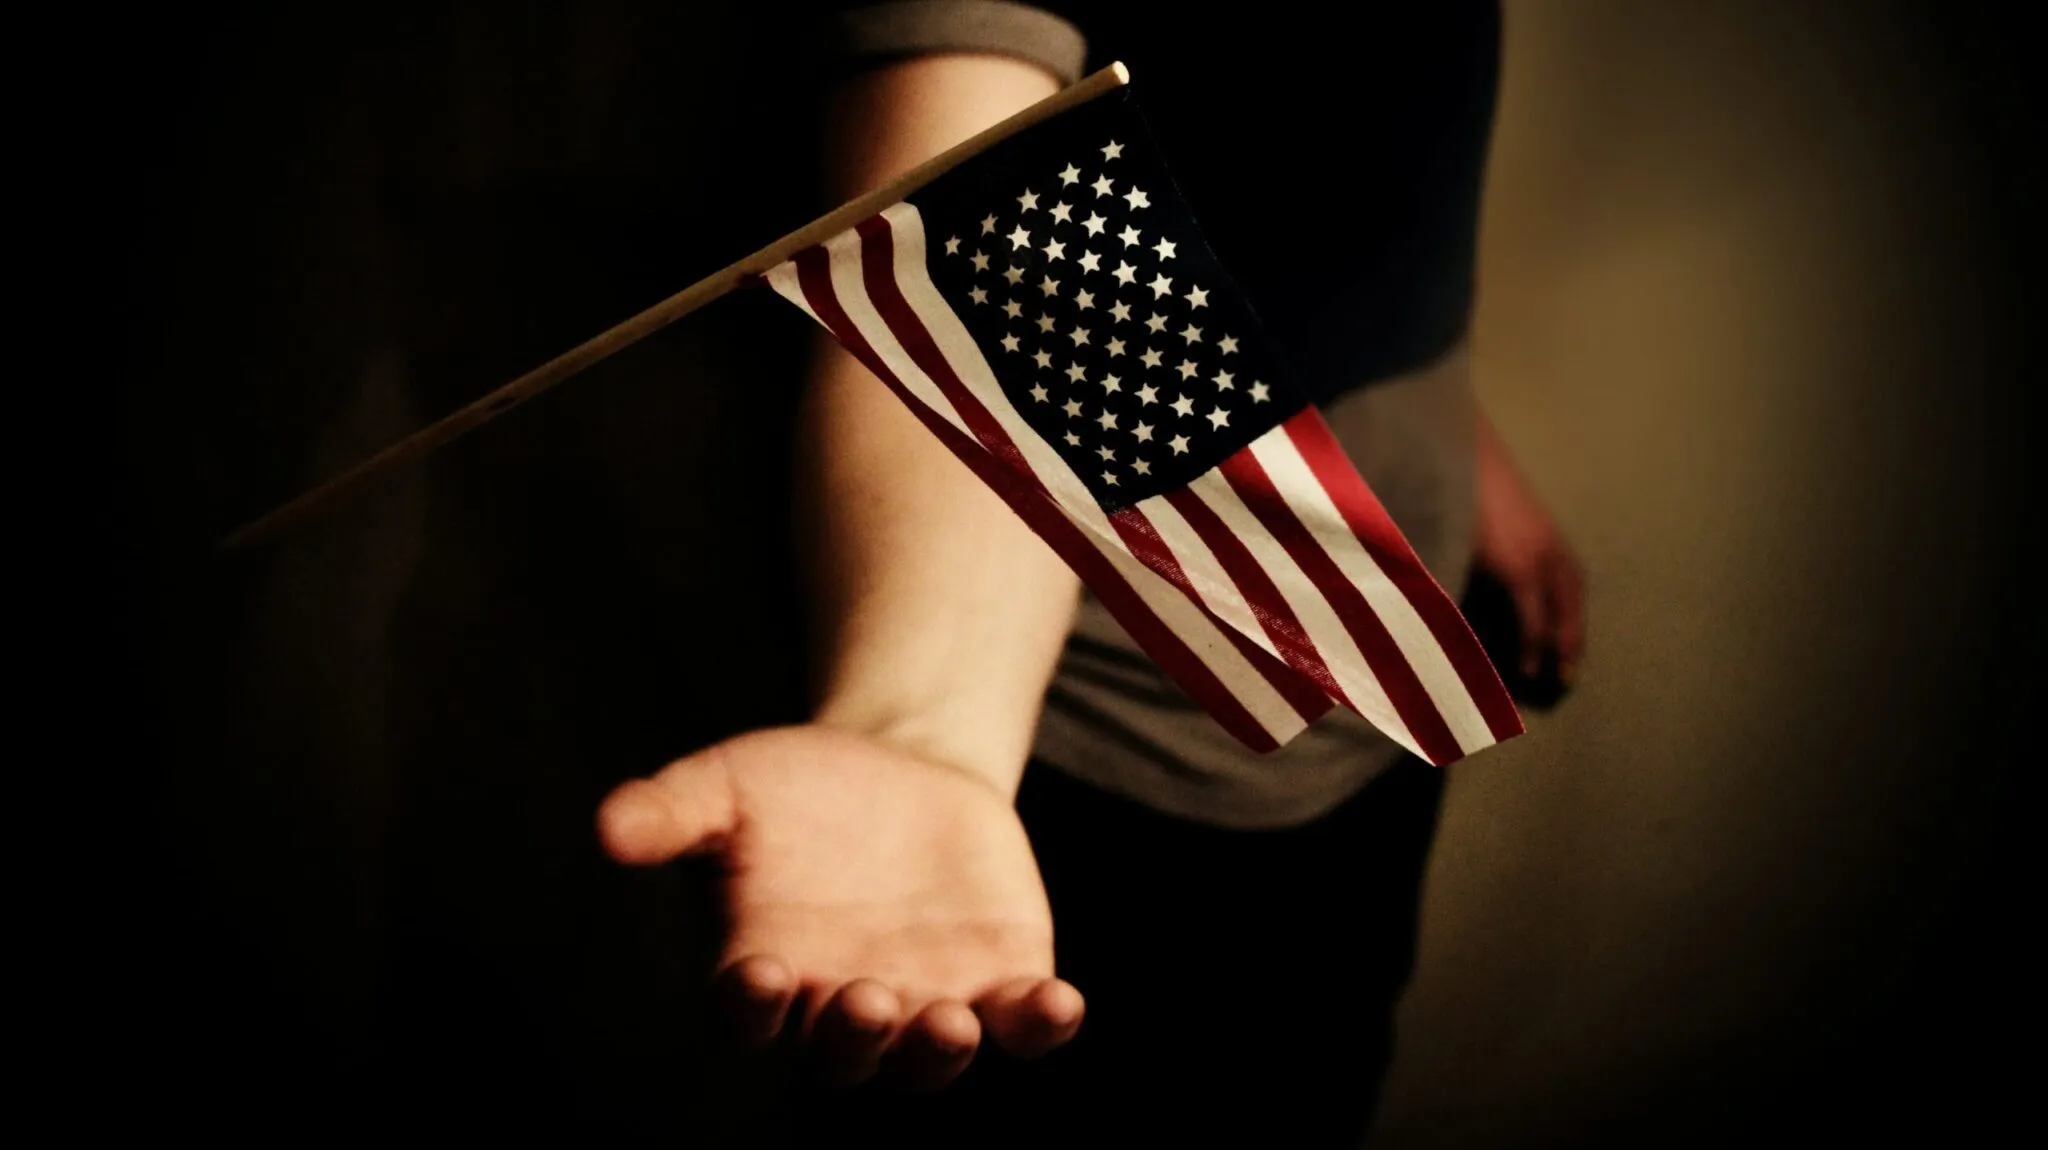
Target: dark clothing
x,y
1240,984
1334,156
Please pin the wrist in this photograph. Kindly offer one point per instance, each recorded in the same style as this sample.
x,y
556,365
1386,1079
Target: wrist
x,y
981,746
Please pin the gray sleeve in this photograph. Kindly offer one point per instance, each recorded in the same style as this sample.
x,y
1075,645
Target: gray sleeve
x,y
866,33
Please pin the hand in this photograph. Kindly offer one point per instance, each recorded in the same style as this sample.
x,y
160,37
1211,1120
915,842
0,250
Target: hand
x,y
895,902
1519,545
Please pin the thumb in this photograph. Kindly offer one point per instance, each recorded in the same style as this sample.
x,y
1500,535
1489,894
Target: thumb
x,y
684,809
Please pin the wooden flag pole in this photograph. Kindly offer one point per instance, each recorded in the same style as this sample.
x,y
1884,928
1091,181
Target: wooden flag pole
x,y
624,335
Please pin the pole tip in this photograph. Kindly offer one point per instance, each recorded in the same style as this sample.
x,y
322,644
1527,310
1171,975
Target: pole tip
x,y
1123,74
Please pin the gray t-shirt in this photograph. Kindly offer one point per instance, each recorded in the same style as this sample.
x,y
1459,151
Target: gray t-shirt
x,y
1112,718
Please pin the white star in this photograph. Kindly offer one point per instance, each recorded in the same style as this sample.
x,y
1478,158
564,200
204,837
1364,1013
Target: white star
x,y
1187,369
1073,409
988,225
1183,406
1045,323
1157,323
1094,224
1179,443
1013,309
1192,334
1219,418
1020,238
1090,262
1079,335
1160,285
1055,250
1073,440
1012,343
1258,392
1116,348
1112,383
980,262
1062,212
1103,187
1042,357
1141,467
1027,201
1108,479
1136,199
1121,312
1106,453
1148,394
1076,372
1165,249
1224,381
1130,236
1050,286
1070,175
1125,273
1143,431
1112,151
978,295
1014,275
1150,358
1198,297
1084,300
1038,392
1227,344
1106,421
953,246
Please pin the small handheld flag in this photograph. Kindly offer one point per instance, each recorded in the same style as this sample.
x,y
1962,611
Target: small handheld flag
x,y
1050,311
1040,297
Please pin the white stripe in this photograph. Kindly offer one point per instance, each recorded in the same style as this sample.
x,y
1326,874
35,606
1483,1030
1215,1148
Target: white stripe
x,y
787,284
963,355
1217,589
1325,629
851,288
1298,485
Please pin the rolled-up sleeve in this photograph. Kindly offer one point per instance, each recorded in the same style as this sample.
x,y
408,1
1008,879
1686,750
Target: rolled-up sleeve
x,y
861,34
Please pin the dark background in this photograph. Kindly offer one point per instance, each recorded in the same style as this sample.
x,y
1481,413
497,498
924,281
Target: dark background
x,y
351,886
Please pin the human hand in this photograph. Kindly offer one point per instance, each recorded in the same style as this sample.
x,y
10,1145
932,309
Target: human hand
x,y
886,909
1520,546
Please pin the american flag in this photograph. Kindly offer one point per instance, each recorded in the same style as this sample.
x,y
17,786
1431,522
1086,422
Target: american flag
x,y
1050,311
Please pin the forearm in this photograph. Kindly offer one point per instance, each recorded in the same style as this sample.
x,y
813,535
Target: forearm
x,y
938,615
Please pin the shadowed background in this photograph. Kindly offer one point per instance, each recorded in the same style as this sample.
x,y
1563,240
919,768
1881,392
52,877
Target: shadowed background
x,y
1748,298
1742,320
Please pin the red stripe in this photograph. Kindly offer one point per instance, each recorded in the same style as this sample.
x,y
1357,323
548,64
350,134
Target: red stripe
x,y
1031,503
1267,603
1309,696
1411,701
1383,541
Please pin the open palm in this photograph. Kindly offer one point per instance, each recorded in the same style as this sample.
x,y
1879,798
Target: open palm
x,y
893,901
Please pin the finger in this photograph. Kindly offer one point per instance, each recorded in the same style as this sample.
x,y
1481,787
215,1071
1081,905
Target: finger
x,y
934,1047
687,807
754,994
1031,1016
854,1029
1568,605
1532,611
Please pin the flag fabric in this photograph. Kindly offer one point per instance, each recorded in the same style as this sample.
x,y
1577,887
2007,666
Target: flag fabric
x,y
1050,312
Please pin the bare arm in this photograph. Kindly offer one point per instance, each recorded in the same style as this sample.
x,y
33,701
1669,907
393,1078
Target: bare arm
x,y
939,614
873,866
